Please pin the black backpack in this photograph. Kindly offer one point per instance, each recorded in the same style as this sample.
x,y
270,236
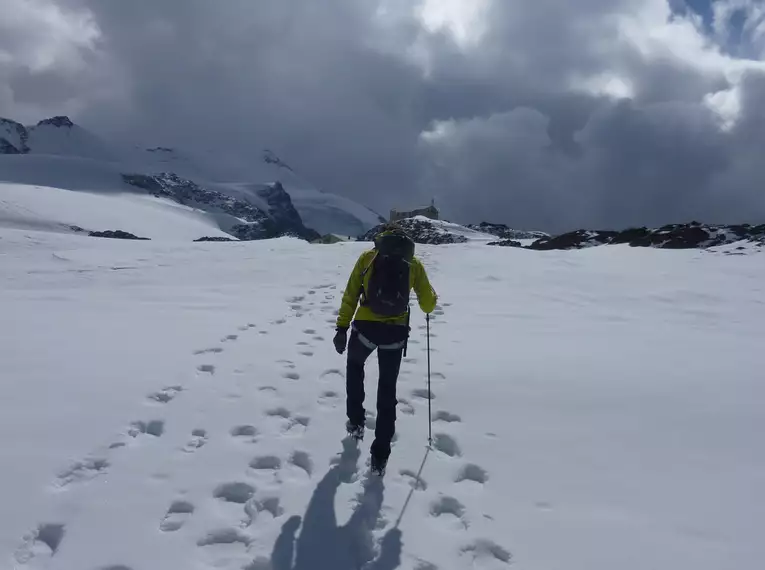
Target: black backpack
x,y
387,294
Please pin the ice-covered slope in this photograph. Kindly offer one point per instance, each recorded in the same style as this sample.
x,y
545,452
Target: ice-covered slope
x,y
330,213
182,406
58,210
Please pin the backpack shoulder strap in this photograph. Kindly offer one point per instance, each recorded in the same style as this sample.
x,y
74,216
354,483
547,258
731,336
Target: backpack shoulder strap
x,y
364,274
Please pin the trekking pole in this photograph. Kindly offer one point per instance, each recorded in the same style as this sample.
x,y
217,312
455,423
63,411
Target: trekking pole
x,y
430,396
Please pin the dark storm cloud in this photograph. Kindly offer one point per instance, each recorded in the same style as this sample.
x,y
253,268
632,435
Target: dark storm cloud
x,y
299,77
513,130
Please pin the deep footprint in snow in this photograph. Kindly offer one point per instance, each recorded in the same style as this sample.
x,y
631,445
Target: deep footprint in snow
x,y
306,353
236,492
255,507
329,398
302,460
198,440
415,481
82,471
472,472
244,431
266,463
154,428
280,412
333,372
446,444
446,505
448,417
224,536
42,543
406,407
423,394
309,331
483,549
291,376
216,350
166,394
230,337
298,422
206,368
177,515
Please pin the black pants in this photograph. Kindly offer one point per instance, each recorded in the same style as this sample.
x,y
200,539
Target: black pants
x,y
389,361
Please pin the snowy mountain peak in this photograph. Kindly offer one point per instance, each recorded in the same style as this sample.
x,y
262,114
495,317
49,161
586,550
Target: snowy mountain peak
x,y
60,121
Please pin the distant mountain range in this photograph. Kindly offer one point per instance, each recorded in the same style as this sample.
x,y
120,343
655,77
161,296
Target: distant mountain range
x,y
57,153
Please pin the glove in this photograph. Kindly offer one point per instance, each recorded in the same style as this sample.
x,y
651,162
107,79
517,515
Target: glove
x,y
341,340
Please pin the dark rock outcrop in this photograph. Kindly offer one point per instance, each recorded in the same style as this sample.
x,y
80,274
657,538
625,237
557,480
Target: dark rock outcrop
x,y
58,121
117,234
506,243
283,212
214,238
503,232
693,235
574,240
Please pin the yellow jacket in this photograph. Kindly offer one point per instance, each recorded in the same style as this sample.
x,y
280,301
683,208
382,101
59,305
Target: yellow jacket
x,y
418,281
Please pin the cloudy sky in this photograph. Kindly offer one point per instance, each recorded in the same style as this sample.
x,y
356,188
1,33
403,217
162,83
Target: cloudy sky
x,y
550,114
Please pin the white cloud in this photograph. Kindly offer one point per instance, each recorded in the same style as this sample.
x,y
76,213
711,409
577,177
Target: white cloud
x,y
465,20
40,35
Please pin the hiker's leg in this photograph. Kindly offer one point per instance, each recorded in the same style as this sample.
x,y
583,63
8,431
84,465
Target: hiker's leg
x,y
354,380
390,364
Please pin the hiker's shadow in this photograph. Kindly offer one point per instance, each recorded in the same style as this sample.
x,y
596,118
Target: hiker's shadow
x,y
322,544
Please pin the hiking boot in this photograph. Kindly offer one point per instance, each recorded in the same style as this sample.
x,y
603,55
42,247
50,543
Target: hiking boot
x,y
378,465
355,431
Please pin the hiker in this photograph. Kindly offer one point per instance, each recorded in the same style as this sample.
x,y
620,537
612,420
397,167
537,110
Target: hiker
x,y
382,280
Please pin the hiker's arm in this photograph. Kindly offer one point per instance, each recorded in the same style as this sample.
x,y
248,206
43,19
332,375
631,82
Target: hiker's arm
x,y
351,296
426,295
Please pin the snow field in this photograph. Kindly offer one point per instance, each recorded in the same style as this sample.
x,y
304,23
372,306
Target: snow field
x,y
56,210
594,409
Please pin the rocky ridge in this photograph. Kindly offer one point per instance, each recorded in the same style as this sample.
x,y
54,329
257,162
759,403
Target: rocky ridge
x,y
281,220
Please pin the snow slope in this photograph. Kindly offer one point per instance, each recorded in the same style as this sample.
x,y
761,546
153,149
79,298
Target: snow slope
x,y
57,210
330,213
181,406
